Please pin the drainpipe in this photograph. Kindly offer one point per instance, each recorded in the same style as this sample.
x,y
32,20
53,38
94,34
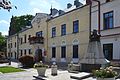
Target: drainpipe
x,y
90,22
17,45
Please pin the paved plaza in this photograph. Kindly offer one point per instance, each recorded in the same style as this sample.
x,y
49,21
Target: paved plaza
x,y
29,73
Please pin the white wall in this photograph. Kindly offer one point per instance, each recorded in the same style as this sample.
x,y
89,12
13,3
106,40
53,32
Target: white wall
x,y
106,7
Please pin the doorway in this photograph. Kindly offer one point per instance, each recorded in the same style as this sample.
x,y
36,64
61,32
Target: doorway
x,y
38,55
108,51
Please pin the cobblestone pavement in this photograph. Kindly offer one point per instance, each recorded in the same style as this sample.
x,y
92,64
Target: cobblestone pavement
x,y
29,73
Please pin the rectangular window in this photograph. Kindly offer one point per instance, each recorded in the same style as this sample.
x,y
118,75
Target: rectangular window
x,y
21,40
76,26
15,44
25,51
39,34
29,36
63,29
75,51
53,31
25,38
29,51
108,20
21,52
63,52
53,52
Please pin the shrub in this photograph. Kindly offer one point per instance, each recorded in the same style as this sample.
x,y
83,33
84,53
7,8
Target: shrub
x,y
27,61
105,73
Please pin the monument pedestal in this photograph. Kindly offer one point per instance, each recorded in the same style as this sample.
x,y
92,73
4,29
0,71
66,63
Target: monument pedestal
x,y
94,58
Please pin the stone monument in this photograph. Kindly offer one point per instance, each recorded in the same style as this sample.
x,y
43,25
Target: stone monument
x,y
94,58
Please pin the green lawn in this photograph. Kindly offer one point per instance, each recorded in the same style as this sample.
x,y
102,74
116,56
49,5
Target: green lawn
x,y
8,69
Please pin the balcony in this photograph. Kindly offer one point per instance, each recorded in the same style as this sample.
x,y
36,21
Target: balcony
x,y
36,40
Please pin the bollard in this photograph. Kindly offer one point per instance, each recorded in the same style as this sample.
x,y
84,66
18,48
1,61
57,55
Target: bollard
x,y
54,69
70,66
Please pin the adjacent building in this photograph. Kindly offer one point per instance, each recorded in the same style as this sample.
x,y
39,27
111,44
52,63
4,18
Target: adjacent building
x,y
110,26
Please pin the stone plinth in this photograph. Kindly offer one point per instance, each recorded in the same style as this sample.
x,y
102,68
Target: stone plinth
x,y
94,57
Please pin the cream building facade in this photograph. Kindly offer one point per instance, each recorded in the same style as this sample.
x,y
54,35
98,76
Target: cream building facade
x,y
65,36
68,36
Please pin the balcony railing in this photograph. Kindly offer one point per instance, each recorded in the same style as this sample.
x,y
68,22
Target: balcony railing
x,y
36,40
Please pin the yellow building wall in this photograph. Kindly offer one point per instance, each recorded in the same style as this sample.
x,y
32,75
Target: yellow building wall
x,y
81,14
12,51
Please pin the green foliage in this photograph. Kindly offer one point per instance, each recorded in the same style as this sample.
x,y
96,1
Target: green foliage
x,y
8,69
105,73
40,64
19,22
2,43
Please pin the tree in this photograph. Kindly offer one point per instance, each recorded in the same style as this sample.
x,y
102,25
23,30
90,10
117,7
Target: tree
x,y
5,4
2,43
19,22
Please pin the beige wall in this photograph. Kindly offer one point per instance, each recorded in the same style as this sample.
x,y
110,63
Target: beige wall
x,y
12,50
82,36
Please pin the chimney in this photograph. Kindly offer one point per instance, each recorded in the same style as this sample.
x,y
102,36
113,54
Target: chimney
x,y
61,12
54,11
69,5
77,3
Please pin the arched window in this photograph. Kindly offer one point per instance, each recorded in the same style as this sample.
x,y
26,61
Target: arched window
x,y
75,41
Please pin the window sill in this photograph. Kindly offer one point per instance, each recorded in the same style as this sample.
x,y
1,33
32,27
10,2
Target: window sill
x,y
75,32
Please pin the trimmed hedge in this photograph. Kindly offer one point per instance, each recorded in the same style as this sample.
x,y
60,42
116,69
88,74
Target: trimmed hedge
x,y
27,61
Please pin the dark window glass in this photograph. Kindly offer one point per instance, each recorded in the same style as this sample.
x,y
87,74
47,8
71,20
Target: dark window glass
x,y
63,52
15,44
25,38
21,40
63,29
39,34
29,36
29,51
108,0
53,52
53,31
25,51
75,51
76,26
15,55
108,20
21,52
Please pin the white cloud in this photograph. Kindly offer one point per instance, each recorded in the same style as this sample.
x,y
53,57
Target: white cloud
x,y
44,5
4,27
4,32
37,10
4,22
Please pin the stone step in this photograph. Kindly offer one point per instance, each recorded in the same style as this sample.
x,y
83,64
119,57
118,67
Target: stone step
x,y
81,75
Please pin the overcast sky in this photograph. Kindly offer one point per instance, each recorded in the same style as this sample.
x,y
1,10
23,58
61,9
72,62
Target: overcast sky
x,y
29,7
